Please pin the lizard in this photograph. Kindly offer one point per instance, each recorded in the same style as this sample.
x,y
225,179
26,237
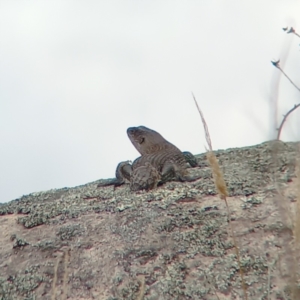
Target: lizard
x,y
160,161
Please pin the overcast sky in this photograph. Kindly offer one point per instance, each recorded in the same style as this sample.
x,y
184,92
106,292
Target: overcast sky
x,y
74,75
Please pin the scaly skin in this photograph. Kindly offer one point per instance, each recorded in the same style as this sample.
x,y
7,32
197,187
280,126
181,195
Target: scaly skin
x,y
160,161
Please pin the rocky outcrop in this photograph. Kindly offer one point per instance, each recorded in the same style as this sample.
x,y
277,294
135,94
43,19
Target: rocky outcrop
x,y
173,242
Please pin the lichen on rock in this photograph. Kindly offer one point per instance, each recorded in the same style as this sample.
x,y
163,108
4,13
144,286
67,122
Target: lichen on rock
x,y
172,242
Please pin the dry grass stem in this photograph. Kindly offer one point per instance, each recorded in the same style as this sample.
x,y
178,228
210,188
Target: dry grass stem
x,y
53,292
296,233
66,273
291,224
297,213
207,136
222,190
288,254
142,288
218,175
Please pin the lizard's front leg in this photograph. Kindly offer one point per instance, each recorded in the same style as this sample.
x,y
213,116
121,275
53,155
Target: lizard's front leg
x,y
171,171
123,173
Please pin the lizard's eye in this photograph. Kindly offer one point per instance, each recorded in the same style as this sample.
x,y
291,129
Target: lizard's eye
x,y
142,140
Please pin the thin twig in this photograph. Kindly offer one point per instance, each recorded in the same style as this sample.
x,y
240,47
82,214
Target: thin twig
x,y
290,80
66,273
284,119
53,292
142,288
276,64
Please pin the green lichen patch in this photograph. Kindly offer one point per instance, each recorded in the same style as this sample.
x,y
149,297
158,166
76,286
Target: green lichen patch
x,y
251,201
18,242
46,245
70,231
140,255
22,284
128,291
195,231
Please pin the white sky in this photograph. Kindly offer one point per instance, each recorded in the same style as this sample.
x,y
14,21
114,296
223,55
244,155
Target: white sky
x,y
75,74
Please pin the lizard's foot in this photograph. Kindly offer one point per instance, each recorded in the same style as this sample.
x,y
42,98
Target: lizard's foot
x,y
190,158
144,178
187,177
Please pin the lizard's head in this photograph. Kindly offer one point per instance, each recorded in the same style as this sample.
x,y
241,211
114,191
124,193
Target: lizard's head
x,y
145,140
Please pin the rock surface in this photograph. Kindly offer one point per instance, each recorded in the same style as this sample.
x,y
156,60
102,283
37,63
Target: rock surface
x,y
173,242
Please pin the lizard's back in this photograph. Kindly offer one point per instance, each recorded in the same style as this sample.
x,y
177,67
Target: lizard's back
x,y
157,151
159,158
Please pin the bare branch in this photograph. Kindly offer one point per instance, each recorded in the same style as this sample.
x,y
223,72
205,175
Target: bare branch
x,y
284,119
277,65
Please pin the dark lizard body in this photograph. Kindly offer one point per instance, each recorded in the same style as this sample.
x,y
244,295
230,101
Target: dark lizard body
x,y
160,161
